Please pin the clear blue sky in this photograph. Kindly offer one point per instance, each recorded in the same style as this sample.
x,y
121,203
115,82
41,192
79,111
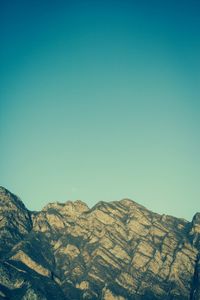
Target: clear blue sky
x,y
100,100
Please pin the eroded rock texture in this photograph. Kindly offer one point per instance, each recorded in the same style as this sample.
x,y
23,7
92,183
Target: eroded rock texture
x,y
117,250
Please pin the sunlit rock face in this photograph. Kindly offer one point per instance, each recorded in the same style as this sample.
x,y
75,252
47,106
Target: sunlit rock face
x,y
117,250
15,221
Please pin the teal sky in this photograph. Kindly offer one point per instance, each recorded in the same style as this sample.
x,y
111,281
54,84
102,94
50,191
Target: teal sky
x,y
100,100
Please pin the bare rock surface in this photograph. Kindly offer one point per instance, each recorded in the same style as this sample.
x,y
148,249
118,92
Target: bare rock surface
x,y
116,250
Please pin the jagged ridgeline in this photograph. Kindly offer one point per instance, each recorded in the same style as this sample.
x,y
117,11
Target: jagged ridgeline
x,y
116,250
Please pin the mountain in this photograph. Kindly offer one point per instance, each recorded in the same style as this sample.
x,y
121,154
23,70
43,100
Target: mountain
x,y
116,250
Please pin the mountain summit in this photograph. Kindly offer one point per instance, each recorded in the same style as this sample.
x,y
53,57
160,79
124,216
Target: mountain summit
x,y
116,250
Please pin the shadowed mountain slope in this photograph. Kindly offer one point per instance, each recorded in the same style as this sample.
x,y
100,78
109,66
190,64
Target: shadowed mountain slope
x,y
116,250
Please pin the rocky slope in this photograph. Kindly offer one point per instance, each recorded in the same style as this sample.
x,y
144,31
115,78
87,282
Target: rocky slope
x,y
117,250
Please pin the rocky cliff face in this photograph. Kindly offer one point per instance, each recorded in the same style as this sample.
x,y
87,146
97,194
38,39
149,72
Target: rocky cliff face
x,y
117,250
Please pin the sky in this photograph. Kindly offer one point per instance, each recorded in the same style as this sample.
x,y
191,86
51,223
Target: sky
x,y
99,101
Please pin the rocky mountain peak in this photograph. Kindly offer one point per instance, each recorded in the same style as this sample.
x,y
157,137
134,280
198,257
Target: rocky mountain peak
x,y
15,220
195,230
115,250
9,200
196,219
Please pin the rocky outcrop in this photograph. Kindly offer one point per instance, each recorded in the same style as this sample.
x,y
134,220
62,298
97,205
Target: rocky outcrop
x,y
15,221
195,240
117,250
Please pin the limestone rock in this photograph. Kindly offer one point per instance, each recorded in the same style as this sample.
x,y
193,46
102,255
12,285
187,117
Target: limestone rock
x,y
15,221
117,250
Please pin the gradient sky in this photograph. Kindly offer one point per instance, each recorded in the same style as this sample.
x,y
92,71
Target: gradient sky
x,y
100,100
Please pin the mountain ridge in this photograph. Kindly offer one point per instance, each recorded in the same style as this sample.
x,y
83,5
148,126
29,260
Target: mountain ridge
x,y
114,250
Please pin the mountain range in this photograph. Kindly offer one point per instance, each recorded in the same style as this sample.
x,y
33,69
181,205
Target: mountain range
x,y
114,250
